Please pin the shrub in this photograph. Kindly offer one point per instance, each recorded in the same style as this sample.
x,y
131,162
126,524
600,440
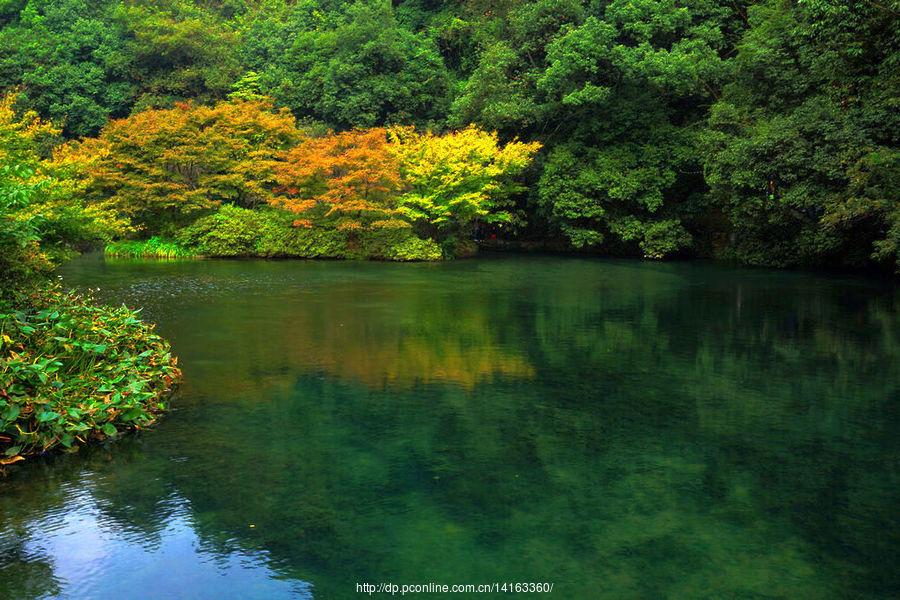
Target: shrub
x,y
71,372
231,231
397,243
306,242
235,231
416,249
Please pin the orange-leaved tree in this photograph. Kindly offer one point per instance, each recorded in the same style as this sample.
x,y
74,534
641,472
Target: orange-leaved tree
x,y
161,168
350,179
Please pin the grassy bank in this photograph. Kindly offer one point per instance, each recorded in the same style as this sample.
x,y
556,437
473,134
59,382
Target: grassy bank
x,y
155,247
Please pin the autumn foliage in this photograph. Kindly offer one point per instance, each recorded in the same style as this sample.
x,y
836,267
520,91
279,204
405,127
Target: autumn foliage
x,y
377,177
162,167
350,178
452,180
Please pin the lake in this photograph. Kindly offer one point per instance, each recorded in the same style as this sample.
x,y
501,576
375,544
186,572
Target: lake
x,y
620,429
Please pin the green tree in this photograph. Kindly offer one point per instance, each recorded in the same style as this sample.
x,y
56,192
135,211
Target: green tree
x,y
627,87
181,52
71,60
356,69
802,151
502,92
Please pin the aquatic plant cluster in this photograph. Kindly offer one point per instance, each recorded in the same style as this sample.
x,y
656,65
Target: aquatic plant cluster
x,y
72,371
155,247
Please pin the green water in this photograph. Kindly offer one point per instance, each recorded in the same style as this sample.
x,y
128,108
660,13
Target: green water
x,y
620,429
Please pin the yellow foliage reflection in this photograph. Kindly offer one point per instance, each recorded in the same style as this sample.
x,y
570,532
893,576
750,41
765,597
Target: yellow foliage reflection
x,y
361,331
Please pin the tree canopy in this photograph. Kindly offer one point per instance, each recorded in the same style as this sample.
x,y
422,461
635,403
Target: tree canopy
x,y
759,130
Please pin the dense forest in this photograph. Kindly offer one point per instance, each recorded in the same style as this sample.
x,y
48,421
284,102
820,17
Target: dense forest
x,y
760,131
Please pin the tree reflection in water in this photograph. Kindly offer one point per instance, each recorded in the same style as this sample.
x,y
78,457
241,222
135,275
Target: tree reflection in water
x,y
619,428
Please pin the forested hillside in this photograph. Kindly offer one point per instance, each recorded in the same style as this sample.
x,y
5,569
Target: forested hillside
x,y
762,131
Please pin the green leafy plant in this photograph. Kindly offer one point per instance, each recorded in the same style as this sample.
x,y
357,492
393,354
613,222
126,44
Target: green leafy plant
x,y
398,243
72,371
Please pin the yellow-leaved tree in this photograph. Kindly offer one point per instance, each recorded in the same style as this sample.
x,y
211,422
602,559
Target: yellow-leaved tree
x,y
457,180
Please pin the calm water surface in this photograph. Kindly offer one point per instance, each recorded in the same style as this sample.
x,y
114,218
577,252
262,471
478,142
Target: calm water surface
x,y
621,429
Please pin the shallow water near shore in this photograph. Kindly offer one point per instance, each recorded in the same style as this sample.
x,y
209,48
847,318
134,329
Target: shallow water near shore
x,y
620,429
